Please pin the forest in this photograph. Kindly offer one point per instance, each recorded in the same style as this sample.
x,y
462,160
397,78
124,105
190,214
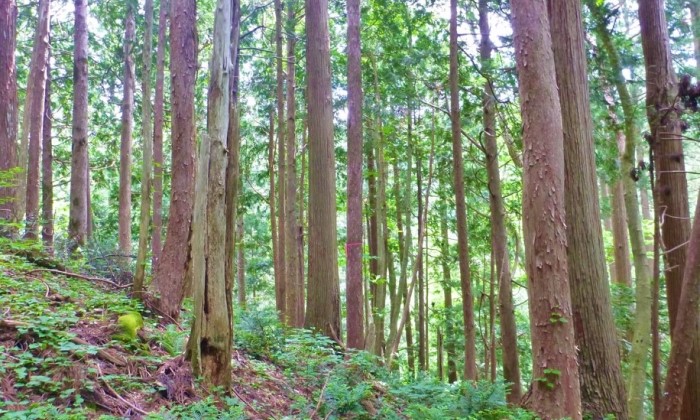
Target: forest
x,y
325,209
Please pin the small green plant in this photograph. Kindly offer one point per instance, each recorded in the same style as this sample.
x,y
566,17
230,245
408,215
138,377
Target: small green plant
x,y
550,378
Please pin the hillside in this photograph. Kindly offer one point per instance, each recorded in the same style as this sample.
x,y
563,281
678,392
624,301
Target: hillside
x,y
68,353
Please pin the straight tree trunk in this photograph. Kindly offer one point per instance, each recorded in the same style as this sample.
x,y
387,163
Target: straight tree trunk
x,y
323,307
173,265
470,372
602,388
47,171
447,288
556,389
34,109
279,283
642,325
233,167
281,165
685,330
126,131
147,168
623,266
158,111
499,237
353,247
240,269
295,284
79,197
671,183
8,108
209,346
420,297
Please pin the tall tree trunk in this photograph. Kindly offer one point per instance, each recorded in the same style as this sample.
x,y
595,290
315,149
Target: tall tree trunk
x,y
556,389
209,346
233,167
147,169
295,284
78,218
47,170
127,128
279,283
671,183
353,247
623,266
8,108
447,288
602,388
642,324
172,267
240,269
420,297
281,165
158,111
323,307
685,330
460,204
34,109
499,237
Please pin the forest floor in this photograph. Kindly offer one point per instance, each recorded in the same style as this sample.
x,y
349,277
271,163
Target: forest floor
x,y
72,348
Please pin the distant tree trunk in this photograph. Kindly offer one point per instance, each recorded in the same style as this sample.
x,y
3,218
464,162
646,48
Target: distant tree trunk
x,y
172,267
240,269
8,107
47,171
35,110
78,218
671,183
279,283
694,7
440,358
470,372
447,287
602,387
420,297
499,237
556,390
233,168
127,128
158,111
623,266
642,324
323,308
295,284
353,247
685,330
147,138
281,165
209,346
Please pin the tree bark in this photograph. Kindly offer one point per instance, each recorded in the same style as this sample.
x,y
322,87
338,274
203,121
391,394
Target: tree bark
x,y
556,389
34,109
240,269
8,108
447,288
158,111
47,171
685,330
671,183
209,346
420,297
281,165
499,237
147,168
172,267
323,308
470,372
295,283
353,247
623,266
126,131
79,196
602,388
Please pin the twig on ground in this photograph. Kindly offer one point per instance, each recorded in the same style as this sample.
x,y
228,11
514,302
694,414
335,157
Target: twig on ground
x,y
320,396
119,397
77,276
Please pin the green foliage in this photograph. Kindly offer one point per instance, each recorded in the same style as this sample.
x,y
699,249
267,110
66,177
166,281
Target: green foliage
x,y
208,408
258,332
129,326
